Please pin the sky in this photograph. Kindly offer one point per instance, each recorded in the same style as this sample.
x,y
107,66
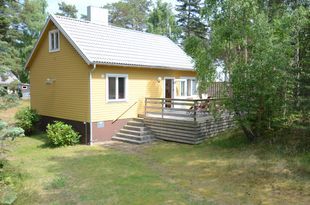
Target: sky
x,y
81,5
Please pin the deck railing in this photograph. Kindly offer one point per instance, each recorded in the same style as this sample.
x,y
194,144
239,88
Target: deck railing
x,y
177,108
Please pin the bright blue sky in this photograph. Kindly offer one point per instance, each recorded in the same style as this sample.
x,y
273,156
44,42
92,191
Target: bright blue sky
x,y
82,4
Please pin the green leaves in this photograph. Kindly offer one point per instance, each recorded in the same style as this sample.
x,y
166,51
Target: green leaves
x,y
261,52
61,134
19,28
132,14
26,118
162,21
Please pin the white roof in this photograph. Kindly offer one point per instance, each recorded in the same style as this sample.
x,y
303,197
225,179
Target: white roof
x,y
109,45
7,78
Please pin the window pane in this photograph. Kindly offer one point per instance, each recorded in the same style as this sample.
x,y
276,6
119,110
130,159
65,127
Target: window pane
x,y
194,87
52,41
182,88
56,41
112,88
189,93
121,88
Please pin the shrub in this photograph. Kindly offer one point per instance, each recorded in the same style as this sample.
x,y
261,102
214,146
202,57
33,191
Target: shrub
x,y
8,100
26,118
3,91
61,134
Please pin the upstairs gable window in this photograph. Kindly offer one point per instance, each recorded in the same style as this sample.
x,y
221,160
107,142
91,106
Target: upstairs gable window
x,y
54,41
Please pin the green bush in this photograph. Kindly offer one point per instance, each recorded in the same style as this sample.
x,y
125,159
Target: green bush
x,y
61,134
26,118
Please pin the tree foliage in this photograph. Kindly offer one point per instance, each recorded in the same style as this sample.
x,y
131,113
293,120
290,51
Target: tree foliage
x,y
67,10
20,25
190,18
132,14
162,21
262,46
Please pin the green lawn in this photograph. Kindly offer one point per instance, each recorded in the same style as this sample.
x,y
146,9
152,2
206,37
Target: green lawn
x,y
225,170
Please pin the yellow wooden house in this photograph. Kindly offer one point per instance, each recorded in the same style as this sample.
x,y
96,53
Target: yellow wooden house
x,y
88,73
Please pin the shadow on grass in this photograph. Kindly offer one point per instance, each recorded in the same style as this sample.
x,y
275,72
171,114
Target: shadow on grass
x,y
41,136
229,139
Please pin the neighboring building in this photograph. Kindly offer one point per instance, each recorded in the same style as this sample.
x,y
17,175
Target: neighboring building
x,y
7,78
25,91
88,73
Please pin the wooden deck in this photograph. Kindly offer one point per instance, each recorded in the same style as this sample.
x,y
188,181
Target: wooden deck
x,y
185,120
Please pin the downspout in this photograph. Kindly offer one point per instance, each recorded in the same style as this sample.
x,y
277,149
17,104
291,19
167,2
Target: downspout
x,y
90,104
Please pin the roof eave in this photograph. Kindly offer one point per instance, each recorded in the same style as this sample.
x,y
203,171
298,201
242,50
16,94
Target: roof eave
x,y
144,66
51,18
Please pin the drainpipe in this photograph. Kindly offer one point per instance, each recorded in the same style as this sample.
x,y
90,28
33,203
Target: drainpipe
x,y
90,104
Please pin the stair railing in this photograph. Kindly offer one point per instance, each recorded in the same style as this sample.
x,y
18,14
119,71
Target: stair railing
x,y
124,112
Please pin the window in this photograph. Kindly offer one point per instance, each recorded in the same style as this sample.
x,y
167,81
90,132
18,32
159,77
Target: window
x,y
188,87
54,41
194,86
117,87
182,87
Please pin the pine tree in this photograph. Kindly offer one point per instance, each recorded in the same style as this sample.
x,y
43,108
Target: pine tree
x,y
190,19
162,21
9,36
67,10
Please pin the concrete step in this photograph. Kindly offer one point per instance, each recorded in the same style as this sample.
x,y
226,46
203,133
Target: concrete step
x,y
138,119
136,128
145,138
135,132
135,123
126,140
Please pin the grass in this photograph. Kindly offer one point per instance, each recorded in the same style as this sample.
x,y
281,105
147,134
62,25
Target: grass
x,y
219,171
223,170
8,114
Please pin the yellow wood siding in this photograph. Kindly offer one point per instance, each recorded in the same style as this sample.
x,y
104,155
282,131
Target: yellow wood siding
x,y
142,82
68,96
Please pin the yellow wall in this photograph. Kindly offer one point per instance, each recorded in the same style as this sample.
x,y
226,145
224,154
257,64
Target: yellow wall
x,y
142,82
68,97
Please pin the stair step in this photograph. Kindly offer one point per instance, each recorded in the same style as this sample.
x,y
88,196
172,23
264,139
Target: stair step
x,y
144,138
136,128
134,132
138,119
127,140
135,123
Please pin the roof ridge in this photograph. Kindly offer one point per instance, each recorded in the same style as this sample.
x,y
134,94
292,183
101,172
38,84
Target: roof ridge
x,y
110,26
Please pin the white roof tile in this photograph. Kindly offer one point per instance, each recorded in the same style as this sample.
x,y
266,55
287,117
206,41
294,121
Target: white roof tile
x,y
101,44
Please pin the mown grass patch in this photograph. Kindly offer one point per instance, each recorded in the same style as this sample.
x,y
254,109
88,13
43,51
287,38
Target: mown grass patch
x,y
223,170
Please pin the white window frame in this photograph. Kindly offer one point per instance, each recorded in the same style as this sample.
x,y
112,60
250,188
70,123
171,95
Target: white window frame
x,y
50,42
116,87
173,86
185,88
189,78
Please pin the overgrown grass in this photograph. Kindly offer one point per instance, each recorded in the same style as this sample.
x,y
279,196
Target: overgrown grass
x,y
8,114
224,170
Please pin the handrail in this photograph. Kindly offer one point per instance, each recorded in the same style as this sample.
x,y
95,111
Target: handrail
x,y
160,105
124,112
191,100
